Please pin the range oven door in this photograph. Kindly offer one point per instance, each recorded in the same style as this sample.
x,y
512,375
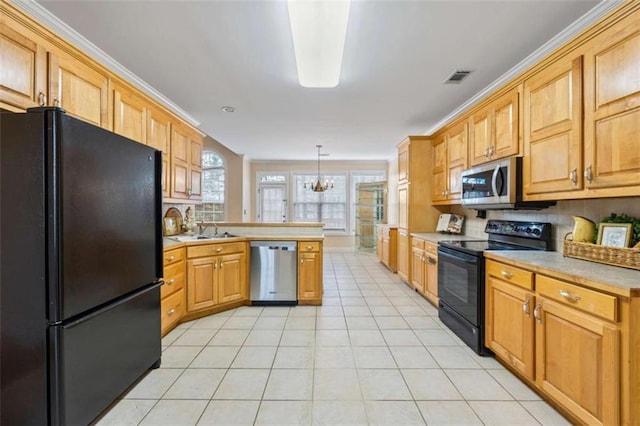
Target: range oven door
x,y
461,283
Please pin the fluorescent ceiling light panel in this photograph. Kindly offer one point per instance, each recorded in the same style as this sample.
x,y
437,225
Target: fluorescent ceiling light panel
x,y
319,29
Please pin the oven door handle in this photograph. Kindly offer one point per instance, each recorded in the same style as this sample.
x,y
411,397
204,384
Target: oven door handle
x,y
458,257
494,181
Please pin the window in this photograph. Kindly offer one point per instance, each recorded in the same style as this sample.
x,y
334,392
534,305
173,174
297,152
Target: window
x,y
213,188
329,207
272,197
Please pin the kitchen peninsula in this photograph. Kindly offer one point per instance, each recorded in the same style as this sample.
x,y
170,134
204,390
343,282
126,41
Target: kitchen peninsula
x,y
211,275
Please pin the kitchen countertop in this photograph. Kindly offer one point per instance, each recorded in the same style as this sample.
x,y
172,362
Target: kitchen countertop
x,y
172,242
612,279
436,237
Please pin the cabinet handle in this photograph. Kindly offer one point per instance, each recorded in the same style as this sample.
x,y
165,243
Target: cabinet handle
x,y
171,281
491,151
42,98
536,313
569,296
301,260
219,249
573,175
508,275
309,247
588,174
215,265
221,264
56,102
171,312
188,192
486,152
525,308
170,258
432,261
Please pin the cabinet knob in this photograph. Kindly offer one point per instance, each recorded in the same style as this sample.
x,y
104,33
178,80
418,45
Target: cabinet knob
x,y
171,312
525,308
588,174
432,261
536,313
170,258
508,275
171,281
573,175
301,260
309,247
219,249
56,102
570,297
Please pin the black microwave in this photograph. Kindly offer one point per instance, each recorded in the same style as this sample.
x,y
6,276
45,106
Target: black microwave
x,y
497,186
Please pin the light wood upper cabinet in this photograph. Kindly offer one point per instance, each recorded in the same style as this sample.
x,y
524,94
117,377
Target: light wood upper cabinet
x,y
456,160
494,131
578,362
403,163
186,163
78,88
553,130
439,170
129,114
23,68
159,137
612,110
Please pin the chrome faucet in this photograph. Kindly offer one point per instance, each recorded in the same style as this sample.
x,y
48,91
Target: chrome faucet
x,y
201,228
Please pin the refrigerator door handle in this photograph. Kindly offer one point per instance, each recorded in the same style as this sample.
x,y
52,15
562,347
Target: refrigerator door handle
x,y
72,322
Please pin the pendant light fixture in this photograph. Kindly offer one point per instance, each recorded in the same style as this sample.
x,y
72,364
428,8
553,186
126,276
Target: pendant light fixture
x,y
318,186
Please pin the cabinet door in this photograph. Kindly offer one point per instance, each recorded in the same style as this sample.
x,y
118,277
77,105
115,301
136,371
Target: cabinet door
x,y
578,362
23,69
417,269
552,130
129,114
403,255
309,276
201,283
79,89
186,161
403,206
456,160
159,137
505,133
480,136
379,240
231,276
431,278
612,109
510,325
195,167
439,170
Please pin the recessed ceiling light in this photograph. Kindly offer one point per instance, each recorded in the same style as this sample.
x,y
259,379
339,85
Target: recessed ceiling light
x,y
227,108
319,29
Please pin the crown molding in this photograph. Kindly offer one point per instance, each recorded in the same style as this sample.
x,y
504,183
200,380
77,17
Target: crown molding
x,y
593,15
35,10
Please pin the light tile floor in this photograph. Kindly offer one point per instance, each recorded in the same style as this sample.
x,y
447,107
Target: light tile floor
x,y
374,353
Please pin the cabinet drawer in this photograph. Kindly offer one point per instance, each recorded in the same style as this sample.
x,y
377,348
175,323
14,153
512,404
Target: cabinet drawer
x,y
173,256
309,246
171,310
215,249
431,248
517,276
600,304
417,243
173,279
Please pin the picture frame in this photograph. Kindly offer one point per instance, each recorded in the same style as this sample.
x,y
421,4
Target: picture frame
x,y
614,234
170,225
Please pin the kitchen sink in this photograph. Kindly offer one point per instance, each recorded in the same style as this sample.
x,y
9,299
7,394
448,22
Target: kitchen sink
x,y
186,238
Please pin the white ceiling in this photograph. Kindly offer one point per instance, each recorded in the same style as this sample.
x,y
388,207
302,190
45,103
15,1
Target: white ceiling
x,y
203,55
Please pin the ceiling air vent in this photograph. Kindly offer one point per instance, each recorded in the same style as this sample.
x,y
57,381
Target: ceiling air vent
x,y
457,77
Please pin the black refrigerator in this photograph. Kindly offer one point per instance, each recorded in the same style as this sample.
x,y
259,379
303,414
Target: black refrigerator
x,y
81,259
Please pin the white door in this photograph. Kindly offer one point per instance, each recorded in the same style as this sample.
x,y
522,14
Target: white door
x,y
273,203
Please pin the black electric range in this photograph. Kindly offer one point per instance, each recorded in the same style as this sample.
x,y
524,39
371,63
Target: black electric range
x,y
461,274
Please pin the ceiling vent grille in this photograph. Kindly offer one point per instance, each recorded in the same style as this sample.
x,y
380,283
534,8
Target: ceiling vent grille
x,y
457,76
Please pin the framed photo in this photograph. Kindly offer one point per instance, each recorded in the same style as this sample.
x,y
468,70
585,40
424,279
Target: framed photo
x,y
170,226
614,234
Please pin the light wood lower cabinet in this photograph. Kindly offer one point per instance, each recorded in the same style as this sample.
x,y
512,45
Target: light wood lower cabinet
x,y
403,255
573,344
387,246
216,279
172,293
424,268
310,273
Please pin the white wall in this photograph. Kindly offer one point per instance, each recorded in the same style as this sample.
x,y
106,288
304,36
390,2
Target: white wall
x,y
246,190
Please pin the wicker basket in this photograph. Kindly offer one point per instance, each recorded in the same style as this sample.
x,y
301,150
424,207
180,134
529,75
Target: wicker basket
x,y
625,257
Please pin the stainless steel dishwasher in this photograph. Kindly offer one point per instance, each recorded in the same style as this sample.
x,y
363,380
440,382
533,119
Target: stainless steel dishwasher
x,y
274,272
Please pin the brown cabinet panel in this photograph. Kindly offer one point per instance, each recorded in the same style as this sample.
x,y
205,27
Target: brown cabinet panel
x,y
309,277
231,277
171,310
201,283
159,137
403,255
186,160
81,90
129,114
23,68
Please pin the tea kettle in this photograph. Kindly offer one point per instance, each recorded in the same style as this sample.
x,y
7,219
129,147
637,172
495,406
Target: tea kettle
x,y
583,229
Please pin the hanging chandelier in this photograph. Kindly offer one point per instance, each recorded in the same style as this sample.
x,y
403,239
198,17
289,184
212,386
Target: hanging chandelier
x,y
318,186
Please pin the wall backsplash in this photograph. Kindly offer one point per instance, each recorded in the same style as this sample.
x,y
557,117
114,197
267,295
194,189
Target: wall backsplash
x,y
559,215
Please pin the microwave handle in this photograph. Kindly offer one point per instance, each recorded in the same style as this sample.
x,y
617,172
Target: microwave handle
x,y
494,181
